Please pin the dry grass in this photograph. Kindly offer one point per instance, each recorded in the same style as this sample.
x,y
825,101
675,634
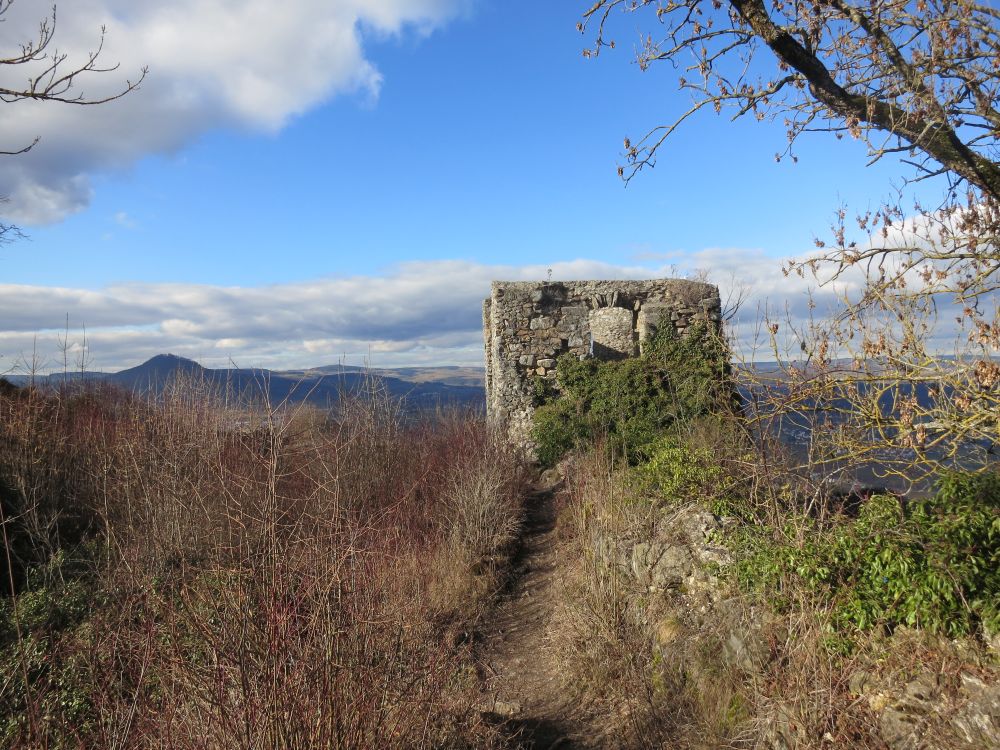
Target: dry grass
x,y
660,669
605,640
251,577
196,574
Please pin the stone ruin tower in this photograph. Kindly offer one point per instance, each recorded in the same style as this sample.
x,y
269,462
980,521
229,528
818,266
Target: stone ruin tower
x,y
527,325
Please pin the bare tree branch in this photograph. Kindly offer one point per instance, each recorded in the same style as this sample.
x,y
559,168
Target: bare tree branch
x,y
53,77
919,80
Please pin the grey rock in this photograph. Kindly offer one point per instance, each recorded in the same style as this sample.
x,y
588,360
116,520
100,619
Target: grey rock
x,y
661,565
922,690
977,722
742,650
859,683
611,329
900,728
574,311
696,524
992,640
611,553
784,730
500,708
551,477
902,723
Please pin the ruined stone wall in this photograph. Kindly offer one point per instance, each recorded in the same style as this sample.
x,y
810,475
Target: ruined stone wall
x,y
527,325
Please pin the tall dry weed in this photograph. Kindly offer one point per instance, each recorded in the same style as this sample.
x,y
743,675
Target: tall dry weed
x,y
259,574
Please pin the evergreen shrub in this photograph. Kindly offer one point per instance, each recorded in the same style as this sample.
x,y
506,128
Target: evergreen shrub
x,y
632,402
932,563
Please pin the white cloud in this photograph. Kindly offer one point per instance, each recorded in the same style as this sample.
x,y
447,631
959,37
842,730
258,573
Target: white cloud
x,y
212,63
122,219
414,313
427,312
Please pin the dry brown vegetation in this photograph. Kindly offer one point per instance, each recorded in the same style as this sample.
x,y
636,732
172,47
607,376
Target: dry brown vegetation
x,y
709,662
189,574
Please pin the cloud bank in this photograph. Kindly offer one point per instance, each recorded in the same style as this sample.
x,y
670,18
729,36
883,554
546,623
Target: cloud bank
x,y
251,64
415,313
426,312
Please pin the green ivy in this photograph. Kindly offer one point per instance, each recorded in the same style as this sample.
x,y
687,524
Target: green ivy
x,y
932,563
631,402
698,366
558,427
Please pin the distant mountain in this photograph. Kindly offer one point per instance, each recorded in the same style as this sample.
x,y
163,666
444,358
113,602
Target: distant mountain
x,y
156,372
419,388
445,374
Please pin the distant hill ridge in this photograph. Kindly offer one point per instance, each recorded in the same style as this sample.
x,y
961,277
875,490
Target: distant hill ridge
x,y
419,387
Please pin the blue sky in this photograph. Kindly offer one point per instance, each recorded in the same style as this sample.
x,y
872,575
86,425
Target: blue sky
x,y
457,142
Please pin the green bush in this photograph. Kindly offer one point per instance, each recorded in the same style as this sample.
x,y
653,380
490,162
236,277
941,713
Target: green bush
x,y
557,428
932,563
697,364
631,402
34,645
676,471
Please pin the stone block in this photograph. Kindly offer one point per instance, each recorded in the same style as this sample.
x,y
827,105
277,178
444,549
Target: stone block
x,y
978,721
661,566
612,333
652,316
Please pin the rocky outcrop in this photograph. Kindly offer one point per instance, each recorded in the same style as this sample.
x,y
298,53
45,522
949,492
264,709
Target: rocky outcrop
x,y
678,556
927,712
681,555
977,721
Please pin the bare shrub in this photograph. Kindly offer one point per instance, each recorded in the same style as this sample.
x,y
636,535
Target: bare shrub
x,y
603,638
256,575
